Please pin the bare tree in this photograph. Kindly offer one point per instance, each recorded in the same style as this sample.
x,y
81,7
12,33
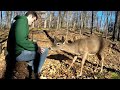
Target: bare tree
x,y
38,23
63,13
92,22
84,19
75,20
114,31
106,14
1,19
81,22
67,22
98,24
118,36
50,18
118,26
8,17
63,22
46,19
67,19
58,20
111,23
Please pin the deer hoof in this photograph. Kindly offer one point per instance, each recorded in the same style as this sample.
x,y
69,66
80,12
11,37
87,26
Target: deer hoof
x,y
101,70
79,75
69,68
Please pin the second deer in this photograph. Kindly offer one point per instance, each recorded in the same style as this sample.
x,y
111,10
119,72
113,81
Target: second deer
x,y
92,45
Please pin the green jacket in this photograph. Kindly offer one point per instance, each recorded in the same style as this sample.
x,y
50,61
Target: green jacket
x,y
18,36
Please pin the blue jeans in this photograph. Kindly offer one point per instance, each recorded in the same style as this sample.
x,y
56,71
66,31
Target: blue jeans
x,y
30,56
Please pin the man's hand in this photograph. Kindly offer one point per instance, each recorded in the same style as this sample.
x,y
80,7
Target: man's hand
x,y
40,50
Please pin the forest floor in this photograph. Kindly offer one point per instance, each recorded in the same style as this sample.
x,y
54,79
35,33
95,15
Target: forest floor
x,y
57,62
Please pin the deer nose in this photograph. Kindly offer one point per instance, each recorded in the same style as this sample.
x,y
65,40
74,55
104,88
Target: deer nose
x,y
49,48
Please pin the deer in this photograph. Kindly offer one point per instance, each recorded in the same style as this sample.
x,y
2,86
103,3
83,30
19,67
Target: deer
x,y
93,45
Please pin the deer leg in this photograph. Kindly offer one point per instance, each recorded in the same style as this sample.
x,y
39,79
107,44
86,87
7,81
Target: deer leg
x,y
96,65
101,57
109,50
102,61
74,59
83,61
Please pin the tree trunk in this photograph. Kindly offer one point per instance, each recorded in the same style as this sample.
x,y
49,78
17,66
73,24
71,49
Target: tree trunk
x,y
92,22
1,19
106,26
81,22
101,21
45,22
39,21
118,37
114,30
74,21
58,20
51,17
67,18
8,17
118,26
97,25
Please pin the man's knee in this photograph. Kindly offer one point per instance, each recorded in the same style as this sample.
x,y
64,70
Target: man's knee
x,y
46,50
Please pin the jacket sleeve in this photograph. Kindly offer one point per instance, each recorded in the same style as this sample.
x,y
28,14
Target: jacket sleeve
x,y
21,33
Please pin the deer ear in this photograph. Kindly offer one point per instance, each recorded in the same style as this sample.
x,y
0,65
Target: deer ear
x,y
54,39
63,39
64,42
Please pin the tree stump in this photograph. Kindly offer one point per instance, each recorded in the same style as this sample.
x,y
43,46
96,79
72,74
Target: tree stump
x,y
21,70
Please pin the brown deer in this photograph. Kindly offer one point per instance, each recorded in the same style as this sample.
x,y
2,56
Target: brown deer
x,y
86,46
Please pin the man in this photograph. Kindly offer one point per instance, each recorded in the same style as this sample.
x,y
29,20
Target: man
x,y
21,47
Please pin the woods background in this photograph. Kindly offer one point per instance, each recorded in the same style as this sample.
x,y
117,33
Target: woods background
x,y
106,22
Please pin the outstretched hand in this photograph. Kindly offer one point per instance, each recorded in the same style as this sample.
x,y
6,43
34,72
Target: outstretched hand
x,y
40,50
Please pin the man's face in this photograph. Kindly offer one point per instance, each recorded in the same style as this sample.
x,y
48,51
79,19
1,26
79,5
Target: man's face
x,y
31,20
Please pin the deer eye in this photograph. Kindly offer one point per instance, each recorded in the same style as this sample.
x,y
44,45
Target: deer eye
x,y
58,43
